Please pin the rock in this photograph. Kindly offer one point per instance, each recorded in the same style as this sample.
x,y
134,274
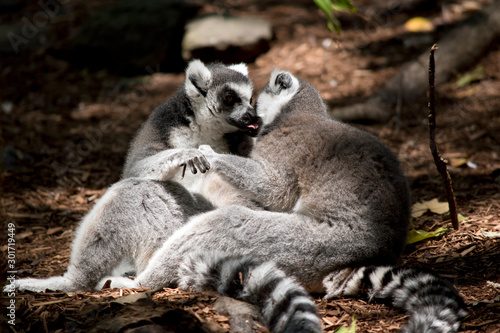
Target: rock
x,y
243,317
134,37
227,39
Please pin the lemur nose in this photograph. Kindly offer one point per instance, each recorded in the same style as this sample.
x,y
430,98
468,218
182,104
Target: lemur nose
x,y
250,116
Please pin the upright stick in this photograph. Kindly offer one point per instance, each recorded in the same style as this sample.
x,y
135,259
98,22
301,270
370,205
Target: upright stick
x,y
438,160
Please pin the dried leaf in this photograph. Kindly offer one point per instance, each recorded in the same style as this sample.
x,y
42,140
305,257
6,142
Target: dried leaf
x,y
415,236
420,208
471,164
493,284
23,235
132,298
458,162
135,297
460,217
490,234
54,230
419,24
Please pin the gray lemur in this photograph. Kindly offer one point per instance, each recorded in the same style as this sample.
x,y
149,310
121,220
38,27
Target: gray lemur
x,y
340,214
137,214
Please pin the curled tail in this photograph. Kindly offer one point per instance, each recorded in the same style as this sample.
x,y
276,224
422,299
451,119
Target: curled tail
x,y
284,304
432,303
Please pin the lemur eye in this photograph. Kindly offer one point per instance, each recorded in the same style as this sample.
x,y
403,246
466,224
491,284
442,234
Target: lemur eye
x,y
229,99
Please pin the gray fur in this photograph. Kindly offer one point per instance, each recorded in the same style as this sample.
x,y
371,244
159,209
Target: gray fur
x,y
339,201
139,213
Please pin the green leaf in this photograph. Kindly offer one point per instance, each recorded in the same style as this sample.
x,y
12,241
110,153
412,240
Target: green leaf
x,y
352,329
324,5
477,74
328,8
415,236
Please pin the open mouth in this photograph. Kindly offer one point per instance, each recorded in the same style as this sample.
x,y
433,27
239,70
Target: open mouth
x,y
251,128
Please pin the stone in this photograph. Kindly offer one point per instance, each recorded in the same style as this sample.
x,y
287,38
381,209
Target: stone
x,y
227,39
134,37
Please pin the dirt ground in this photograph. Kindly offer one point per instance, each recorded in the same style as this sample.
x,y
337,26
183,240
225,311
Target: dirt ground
x,y
67,130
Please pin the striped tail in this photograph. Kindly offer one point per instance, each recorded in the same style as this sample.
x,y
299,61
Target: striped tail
x,y
433,304
284,304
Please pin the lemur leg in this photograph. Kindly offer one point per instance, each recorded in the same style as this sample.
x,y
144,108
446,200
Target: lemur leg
x,y
131,221
297,244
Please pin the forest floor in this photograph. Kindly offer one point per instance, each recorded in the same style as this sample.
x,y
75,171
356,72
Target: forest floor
x,y
67,131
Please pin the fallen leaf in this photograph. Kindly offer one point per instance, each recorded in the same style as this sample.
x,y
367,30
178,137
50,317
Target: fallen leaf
x,y
415,236
132,298
351,329
419,24
23,235
420,208
457,162
460,217
477,74
471,164
493,284
135,297
490,234
54,230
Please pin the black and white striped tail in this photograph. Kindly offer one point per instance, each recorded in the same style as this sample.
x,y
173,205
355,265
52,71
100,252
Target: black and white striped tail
x,y
432,303
284,304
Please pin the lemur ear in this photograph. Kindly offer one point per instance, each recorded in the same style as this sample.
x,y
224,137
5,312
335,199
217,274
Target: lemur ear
x,y
198,79
241,67
281,80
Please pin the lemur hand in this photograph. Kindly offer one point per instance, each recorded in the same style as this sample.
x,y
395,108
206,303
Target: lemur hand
x,y
194,159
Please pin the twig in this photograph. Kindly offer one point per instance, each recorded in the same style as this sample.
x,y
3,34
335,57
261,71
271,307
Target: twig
x,y
438,160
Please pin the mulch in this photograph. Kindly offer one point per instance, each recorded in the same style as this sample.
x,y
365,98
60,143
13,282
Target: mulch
x,y
67,134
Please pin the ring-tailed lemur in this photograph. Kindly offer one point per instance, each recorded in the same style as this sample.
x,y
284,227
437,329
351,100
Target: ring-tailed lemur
x,y
345,208
137,214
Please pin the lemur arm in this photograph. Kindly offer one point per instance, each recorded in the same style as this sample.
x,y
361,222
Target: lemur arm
x,y
256,179
165,164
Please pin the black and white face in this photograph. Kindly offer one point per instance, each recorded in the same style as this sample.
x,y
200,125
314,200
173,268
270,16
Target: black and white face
x,y
278,92
223,96
234,102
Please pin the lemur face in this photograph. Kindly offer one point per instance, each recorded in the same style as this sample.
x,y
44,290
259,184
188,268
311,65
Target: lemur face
x,y
234,100
280,90
224,95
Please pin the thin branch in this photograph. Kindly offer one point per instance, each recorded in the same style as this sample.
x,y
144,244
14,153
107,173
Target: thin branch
x,y
438,160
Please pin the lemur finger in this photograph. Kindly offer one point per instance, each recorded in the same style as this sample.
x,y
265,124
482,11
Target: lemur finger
x,y
192,167
204,164
200,162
